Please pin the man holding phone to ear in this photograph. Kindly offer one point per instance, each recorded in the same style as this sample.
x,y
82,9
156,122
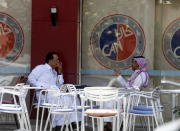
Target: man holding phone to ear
x,y
48,75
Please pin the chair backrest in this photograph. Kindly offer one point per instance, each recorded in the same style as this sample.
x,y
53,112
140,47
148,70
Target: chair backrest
x,y
101,93
111,82
170,82
59,99
22,88
145,98
68,88
18,94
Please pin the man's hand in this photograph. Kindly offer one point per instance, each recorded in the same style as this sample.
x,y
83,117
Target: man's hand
x,y
117,72
59,68
43,92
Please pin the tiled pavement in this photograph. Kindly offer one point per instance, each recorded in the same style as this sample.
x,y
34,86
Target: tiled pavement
x,y
13,127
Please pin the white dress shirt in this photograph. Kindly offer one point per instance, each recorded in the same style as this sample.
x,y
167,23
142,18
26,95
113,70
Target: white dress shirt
x,y
45,76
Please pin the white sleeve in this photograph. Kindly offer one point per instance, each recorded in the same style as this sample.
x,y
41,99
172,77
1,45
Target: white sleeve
x,y
138,82
122,81
60,80
33,77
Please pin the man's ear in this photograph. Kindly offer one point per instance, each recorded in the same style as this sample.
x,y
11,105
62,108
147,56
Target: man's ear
x,y
49,62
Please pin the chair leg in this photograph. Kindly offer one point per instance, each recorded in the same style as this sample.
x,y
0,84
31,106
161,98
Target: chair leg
x,y
101,124
64,123
98,124
153,123
53,117
37,118
130,122
45,128
25,122
82,122
69,121
19,116
125,120
149,128
42,116
33,99
155,117
134,122
16,121
86,121
93,124
28,121
27,116
77,123
118,122
114,124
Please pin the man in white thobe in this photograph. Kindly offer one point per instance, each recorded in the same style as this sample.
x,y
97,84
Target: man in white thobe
x,y
140,78
49,75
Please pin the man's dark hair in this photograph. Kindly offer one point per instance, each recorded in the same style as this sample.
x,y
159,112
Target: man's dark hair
x,y
138,56
49,56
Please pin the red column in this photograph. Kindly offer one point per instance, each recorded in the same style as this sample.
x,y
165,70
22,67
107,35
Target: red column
x,y
62,38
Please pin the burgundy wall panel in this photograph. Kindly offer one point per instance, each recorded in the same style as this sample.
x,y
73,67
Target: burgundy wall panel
x,y
61,38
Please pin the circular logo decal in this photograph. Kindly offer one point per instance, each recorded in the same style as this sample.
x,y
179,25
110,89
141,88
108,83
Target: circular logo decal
x,y
171,44
115,40
11,39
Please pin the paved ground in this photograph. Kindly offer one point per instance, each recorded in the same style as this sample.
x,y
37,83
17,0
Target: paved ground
x,y
12,127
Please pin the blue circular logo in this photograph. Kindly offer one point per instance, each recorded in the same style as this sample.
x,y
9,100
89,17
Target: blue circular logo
x,y
171,44
115,40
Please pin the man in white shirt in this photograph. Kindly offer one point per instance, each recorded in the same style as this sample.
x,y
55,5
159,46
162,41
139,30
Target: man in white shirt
x,y
48,75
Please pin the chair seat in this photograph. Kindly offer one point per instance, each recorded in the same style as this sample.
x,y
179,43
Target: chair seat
x,y
47,105
145,112
101,112
143,108
7,102
146,108
79,108
10,107
63,110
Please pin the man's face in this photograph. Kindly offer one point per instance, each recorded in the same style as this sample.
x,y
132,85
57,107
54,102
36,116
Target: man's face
x,y
134,65
55,61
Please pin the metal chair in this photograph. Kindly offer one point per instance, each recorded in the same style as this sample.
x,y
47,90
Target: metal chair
x,y
65,107
46,104
98,96
43,103
144,104
19,93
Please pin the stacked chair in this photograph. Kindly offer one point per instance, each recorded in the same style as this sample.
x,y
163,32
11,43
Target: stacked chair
x,y
99,96
44,104
18,107
64,106
144,105
57,106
